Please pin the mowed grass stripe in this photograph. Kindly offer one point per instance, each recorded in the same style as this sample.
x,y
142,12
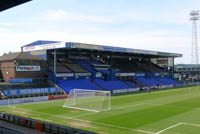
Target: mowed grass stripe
x,y
159,96
145,105
143,117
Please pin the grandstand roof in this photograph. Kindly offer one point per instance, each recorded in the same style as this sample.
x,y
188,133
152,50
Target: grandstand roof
x,y
6,4
47,45
19,56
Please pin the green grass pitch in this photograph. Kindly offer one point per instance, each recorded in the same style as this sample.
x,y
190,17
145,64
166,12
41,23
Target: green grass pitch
x,y
174,111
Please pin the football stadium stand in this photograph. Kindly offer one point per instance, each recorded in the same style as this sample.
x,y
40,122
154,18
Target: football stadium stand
x,y
72,65
156,81
136,66
148,81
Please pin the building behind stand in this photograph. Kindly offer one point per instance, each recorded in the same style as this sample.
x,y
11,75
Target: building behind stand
x,y
21,65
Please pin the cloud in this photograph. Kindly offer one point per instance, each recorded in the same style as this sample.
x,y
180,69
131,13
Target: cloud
x,y
111,29
62,15
7,24
149,41
135,15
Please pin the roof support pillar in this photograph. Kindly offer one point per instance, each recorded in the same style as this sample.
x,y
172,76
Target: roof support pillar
x,y
55,65
111,64
173,69
150,65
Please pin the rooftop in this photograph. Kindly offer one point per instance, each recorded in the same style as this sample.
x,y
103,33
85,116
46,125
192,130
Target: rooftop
x,y
19,56
49,45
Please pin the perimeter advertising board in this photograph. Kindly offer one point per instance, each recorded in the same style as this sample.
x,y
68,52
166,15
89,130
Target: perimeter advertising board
x,y
86,46
64,74
23,100
125,74
10,92
119,91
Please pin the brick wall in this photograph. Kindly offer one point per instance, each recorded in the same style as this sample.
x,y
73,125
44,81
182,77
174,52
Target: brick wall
x,y
8,69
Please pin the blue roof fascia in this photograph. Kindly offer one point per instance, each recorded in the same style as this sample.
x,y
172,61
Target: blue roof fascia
x,y
40,42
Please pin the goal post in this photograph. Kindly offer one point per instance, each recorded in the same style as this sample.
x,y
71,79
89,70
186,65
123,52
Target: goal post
x,y
89,100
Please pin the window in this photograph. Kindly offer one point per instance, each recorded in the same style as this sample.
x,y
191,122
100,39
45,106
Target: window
x,y
23,62
38,62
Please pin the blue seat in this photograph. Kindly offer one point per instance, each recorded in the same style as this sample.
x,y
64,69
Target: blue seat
x,y
112,85
131,85
156,81
148,81
87,64
69,85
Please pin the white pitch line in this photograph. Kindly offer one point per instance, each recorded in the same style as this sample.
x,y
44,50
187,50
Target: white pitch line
x,y
112,109
86,121
159,104
40,102
91,113
154,104
190,124
127,106
178,124
115,126
197,108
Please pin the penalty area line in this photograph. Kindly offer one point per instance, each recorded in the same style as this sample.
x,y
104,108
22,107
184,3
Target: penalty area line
x,y
178,124
191,124
161,131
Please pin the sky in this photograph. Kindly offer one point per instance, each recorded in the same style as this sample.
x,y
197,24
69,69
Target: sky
x,y
160,25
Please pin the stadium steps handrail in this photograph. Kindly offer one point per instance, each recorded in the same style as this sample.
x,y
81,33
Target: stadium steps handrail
x,y
68,68
126,82
84,67
139,84
57,86
65,66
79,65
2,96
96,84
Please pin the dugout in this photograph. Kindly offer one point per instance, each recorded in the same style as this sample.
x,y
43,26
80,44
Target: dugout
x,y
21,65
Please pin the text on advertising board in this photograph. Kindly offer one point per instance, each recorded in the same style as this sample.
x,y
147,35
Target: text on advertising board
x,y
27,68
44,46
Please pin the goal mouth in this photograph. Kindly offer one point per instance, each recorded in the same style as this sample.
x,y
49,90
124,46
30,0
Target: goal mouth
x,y
89,100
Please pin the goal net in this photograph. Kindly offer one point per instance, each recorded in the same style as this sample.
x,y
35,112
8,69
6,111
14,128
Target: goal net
x,y
89,100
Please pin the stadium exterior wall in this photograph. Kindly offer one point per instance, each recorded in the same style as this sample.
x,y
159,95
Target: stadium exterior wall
x,y
7,69
12,69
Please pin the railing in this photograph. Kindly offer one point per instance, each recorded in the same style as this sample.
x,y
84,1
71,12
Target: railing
x,y
38,87
40,125
35,83
4,130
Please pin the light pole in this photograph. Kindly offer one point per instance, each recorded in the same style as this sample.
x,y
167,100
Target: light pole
x,y
194,17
